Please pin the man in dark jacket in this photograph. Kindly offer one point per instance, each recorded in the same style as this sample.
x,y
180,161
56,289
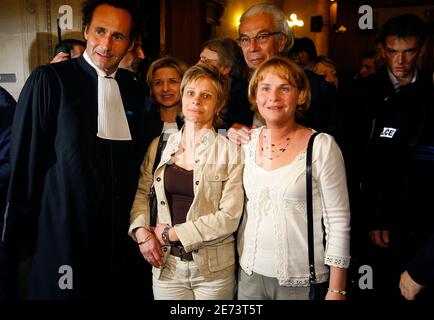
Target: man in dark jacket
x,y
74,166
398,166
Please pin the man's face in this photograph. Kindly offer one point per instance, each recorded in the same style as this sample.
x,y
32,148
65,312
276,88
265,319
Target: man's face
x,y
401,57
328,71
257,51
301,58
108,37
132,59
77,51
379,55
212,58
368,67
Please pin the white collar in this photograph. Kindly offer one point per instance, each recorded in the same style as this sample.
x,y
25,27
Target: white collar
x,y
112,120
395,81
99,72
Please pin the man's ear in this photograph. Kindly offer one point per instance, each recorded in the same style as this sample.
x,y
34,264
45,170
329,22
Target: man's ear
x,y
133,41
86,32
225,70
281,42
132,44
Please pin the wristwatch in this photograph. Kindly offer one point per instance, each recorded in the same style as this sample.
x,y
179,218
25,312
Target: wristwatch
x,y
165,236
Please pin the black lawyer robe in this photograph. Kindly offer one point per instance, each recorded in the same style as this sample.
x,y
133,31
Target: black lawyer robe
x,y
70,192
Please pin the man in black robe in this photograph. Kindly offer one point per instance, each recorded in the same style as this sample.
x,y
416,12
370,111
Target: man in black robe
x,y
75,167
7,107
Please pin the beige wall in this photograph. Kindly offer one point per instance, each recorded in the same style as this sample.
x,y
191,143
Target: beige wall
x,y
24,41
233,11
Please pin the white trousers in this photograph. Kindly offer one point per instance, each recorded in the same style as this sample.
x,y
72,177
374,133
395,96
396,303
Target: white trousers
x,y
182,280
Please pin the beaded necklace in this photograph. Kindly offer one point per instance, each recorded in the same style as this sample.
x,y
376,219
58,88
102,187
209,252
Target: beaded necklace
x,y
272,151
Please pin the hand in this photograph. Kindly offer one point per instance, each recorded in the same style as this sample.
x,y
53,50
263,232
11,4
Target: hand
x,y
380,238
409,288
158,231
240,134
61,56
151,249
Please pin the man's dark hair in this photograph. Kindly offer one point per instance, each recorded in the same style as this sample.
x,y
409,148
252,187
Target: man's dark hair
x,y
378,40
68,43
404,26
130,6
304,44
369,54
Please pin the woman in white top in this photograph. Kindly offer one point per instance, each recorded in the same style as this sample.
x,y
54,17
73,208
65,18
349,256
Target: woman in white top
x,y
272,239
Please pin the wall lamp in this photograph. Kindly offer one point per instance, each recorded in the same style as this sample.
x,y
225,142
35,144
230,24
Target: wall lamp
x,y
294,21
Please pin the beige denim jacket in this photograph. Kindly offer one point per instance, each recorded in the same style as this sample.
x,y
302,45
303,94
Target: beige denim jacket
x,y
217,207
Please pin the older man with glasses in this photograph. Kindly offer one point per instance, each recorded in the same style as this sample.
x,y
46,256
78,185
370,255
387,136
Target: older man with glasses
x,y
265,33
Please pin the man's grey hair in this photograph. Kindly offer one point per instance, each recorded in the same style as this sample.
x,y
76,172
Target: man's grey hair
x,y
279,19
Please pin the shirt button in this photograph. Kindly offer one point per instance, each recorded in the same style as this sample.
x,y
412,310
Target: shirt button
x,y
197,161
216,177
162,203
197,183
158,179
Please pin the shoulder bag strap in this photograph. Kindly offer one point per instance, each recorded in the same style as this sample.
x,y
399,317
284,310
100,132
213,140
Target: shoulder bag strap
x,y
161,145
309,207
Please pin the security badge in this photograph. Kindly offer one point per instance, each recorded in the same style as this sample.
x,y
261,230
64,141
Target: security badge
x,y
388,132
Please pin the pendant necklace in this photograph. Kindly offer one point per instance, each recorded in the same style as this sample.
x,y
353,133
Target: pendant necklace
x,y
272,151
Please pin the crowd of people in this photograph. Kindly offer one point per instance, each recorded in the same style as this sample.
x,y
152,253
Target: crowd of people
x,y
219,151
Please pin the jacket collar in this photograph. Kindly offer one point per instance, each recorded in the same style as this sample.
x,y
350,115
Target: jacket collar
x,y
395,81
175,141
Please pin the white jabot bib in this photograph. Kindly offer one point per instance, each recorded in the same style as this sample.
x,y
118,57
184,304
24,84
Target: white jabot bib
x,y
112,120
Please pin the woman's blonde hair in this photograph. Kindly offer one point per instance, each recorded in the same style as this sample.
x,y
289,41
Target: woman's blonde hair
x,y
165,62
220,83
285,69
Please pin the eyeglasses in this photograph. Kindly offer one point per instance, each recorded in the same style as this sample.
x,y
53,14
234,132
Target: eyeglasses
x,y
206,60
261,38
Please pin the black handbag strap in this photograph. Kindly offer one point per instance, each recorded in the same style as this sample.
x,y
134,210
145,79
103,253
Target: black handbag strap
x,y
309,207
162,141
161,145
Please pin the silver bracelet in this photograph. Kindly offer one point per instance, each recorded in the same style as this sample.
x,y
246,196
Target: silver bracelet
x,y
342,292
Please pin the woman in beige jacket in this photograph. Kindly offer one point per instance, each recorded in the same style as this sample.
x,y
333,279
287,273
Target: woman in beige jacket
x,y
198,184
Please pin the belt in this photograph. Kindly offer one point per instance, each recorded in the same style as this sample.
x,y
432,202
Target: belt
x,y
178,251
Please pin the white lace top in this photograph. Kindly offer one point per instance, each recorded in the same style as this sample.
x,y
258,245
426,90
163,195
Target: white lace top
x,y
272,238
